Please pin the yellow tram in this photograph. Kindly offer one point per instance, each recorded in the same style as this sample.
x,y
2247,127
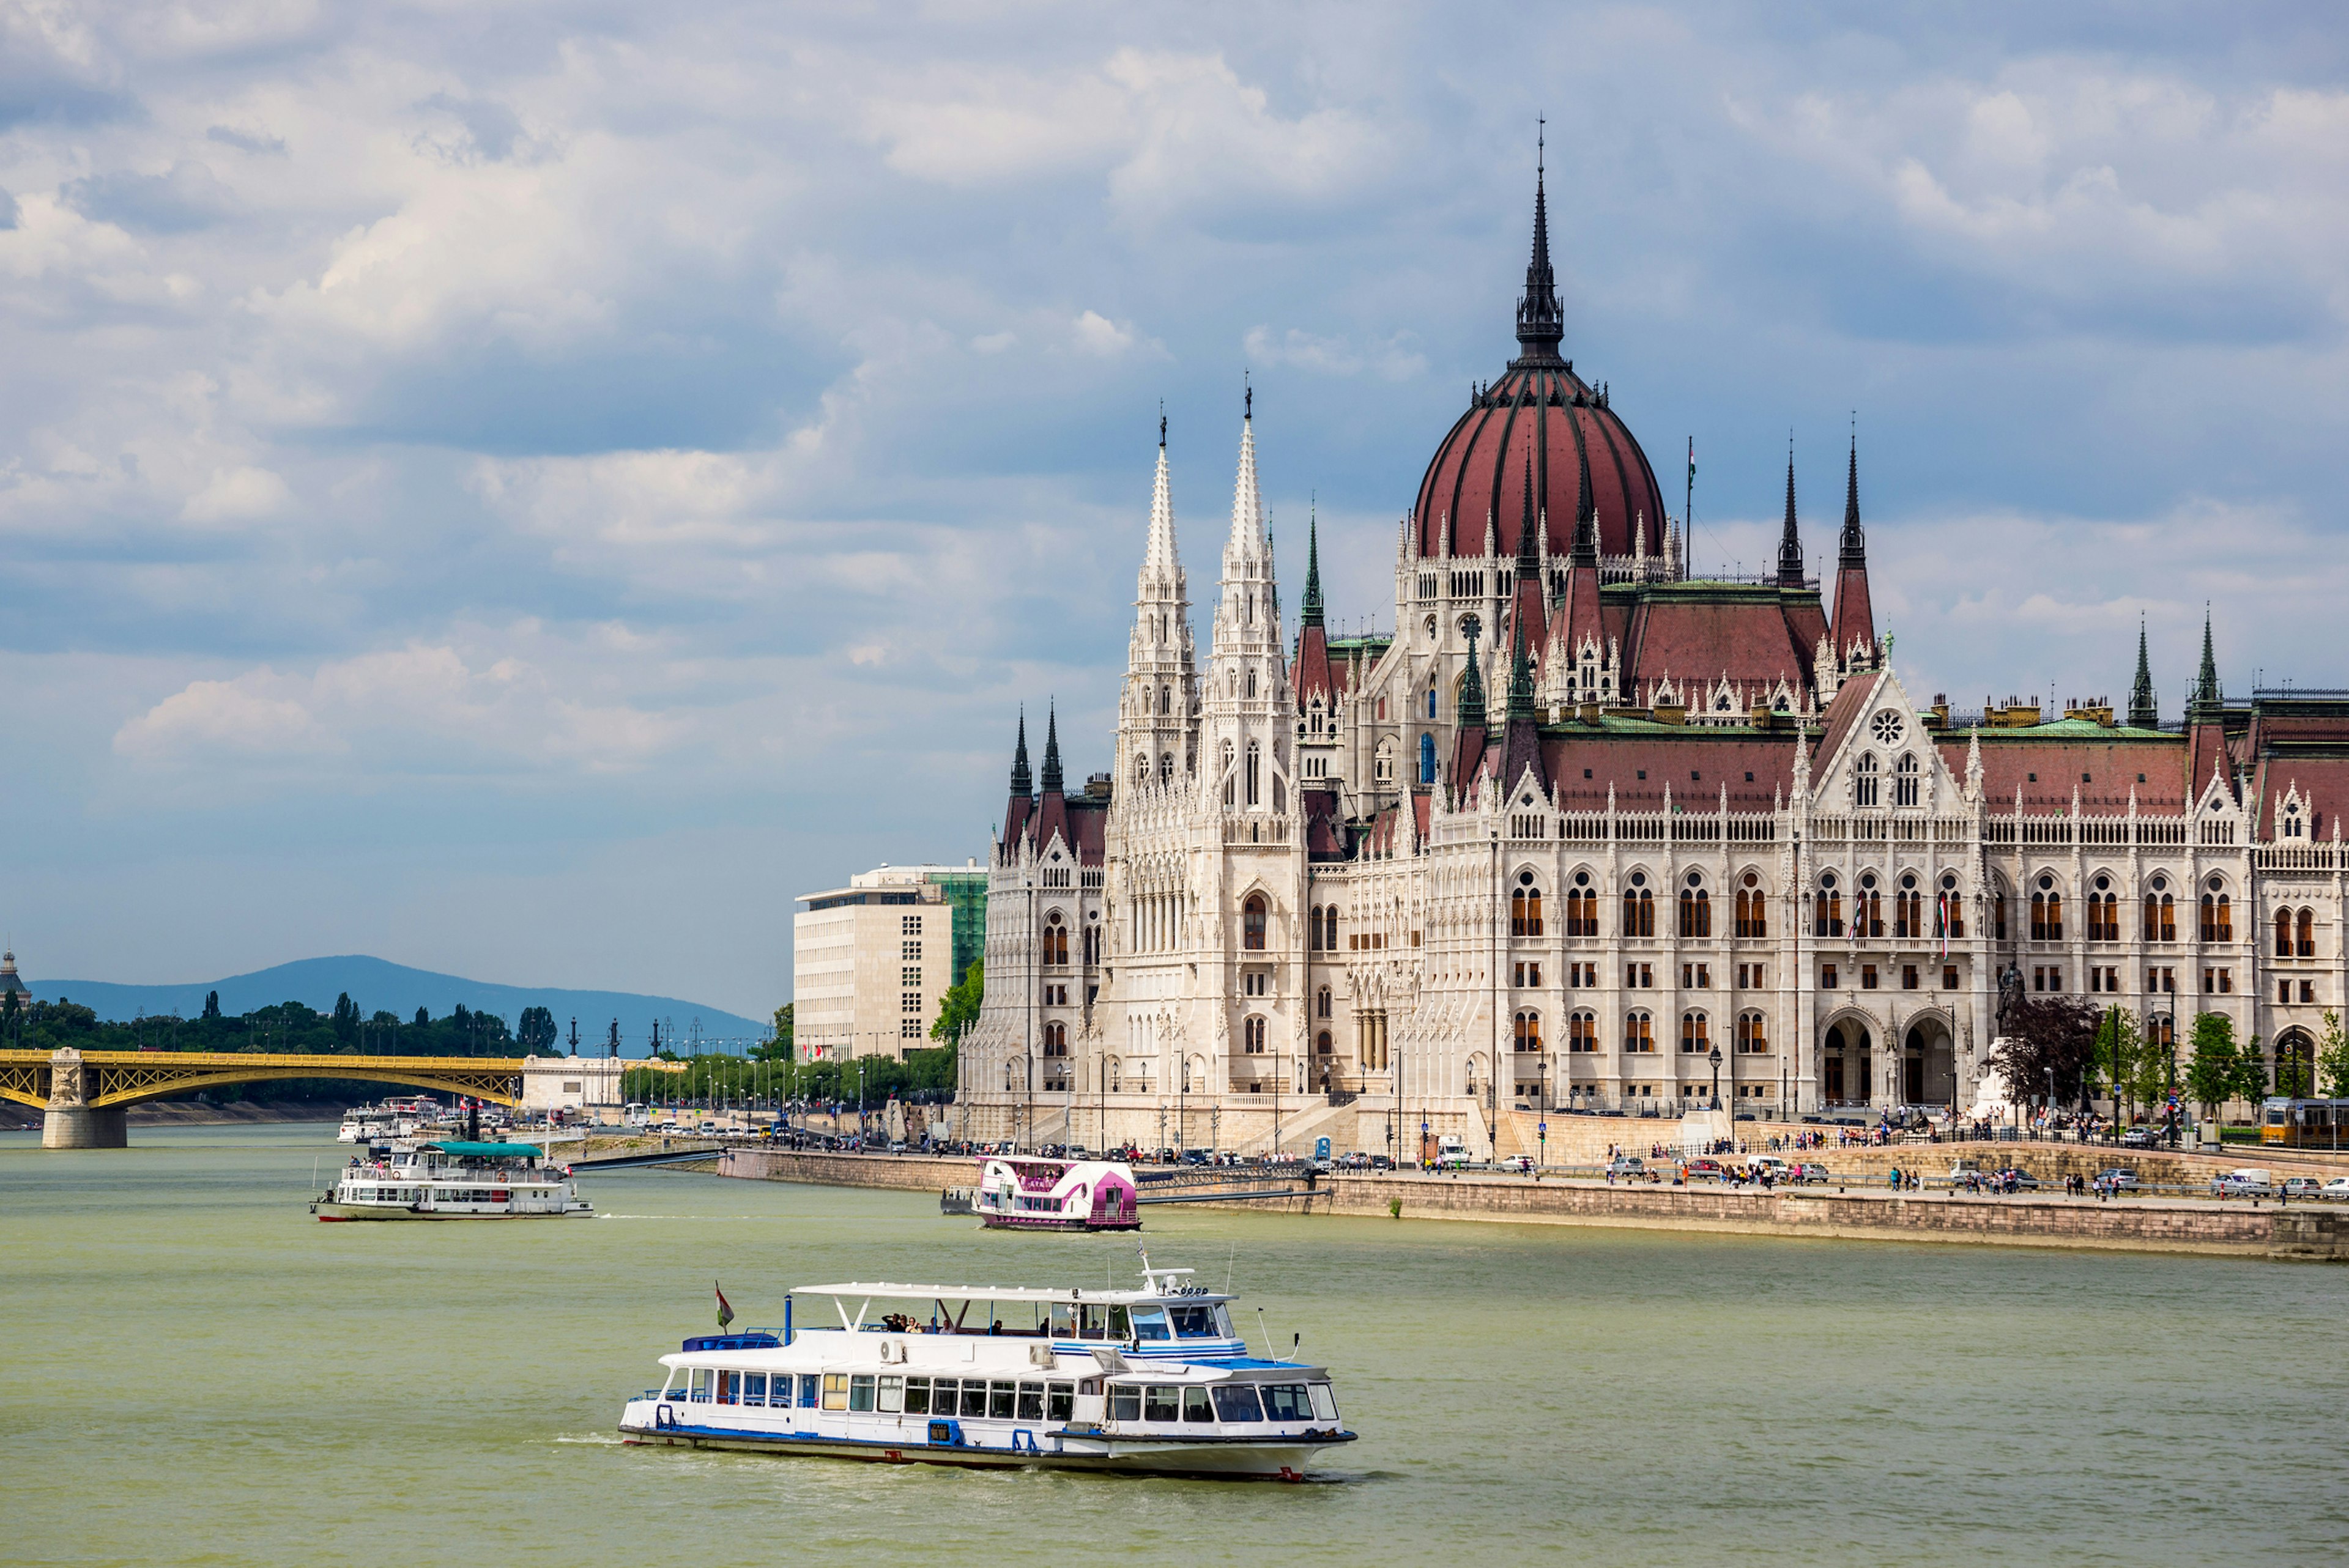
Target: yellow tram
x,y
2305,1123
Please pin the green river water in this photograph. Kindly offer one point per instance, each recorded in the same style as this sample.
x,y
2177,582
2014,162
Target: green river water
x,y
197,1372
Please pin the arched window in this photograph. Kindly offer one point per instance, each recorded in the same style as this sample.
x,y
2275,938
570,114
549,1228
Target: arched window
x,y
2046,911
2283,934
1904,781
2308,934
1056,940
1252,1035
1230,783
1863,781
1694,1039
1056,1039
1827,907
1427,754
1582,1033
1638,907
1382,770
2104,910
1752,911
1753,1036
1638,1034
1997,911
2161,1034
1093,945
1329,930
1696,909
2218,915
1582,907
1321,1004
1529,1032
1166,767
1868,908
1321,1044
1525,907
1255,774
1431,699
2160,913
1165,698
1252,914
1949,908
1908,908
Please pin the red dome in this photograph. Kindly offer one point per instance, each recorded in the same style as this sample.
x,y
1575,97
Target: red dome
x,y
1540,410
1547,411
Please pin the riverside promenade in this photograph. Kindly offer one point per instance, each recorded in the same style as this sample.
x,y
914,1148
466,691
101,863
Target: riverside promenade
x,y
1853,1211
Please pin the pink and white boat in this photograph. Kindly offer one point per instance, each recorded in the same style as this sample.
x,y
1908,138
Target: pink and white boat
x,y
1020,1192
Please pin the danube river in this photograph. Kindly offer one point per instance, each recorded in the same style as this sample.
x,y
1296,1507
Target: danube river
x,y
196,1371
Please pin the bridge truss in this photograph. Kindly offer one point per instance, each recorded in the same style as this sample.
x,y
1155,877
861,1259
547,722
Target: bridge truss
x,y
127,1078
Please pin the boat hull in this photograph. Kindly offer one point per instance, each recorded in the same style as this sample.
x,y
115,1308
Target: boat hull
x,y
1052,1223
1104,1455
331,1211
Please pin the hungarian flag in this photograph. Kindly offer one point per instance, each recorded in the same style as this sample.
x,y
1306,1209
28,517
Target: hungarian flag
x,y
725,1311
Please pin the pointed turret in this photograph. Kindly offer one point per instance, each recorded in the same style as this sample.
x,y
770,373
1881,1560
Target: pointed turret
x,y
2206,691
1023,784
1311,612
1527,600
1521,743
1022,806
1541,321
1051,750
1156,707
2144,712
1052,800
1314,676
1581,617
1468,740
1790,538
1854,617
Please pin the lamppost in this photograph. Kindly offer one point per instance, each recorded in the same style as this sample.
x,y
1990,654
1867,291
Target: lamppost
x,y
1541,1108
1714,1058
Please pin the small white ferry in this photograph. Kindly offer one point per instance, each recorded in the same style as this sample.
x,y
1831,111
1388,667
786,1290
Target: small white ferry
x,y
367,1124
1150,1382
1017,1192
453,1180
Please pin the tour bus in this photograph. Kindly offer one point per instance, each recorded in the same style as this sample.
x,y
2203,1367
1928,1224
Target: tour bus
x,y
2305,1123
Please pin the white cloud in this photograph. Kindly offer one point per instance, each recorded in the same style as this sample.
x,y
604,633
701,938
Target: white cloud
x,y
1096,334
236,494
1391,359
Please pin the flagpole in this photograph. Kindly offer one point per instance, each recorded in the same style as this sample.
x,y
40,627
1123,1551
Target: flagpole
x,y
1688,505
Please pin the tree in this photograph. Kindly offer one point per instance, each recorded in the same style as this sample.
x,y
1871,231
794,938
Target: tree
x,y
537,1032
2210,1073
347,1018
423,1018
779,1049
2332,1057
958,1008
2044,1032
2250,1081
2120,1059
212,1005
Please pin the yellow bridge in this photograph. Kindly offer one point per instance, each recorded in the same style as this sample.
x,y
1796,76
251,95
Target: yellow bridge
x,y
84,1093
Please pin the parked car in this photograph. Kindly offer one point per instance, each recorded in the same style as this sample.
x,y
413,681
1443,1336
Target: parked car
x,y
1626,1168
2144,1135
2336,1188
2246,1182
2302,1186
1705,1171
2017,1181
1809,1172
1522,1164
2117,1180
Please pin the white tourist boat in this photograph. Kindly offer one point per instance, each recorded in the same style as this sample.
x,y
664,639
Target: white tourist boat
x,y
367,1124
452,1179
1150,1381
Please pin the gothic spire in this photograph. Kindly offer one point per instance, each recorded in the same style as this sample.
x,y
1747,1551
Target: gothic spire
x,y
1051,750
1529,529
1247,505
1312,611
1472,689
1159,559
1540,319
1521,680
1023,783
1790,539
1854,542
2144,712
1586,515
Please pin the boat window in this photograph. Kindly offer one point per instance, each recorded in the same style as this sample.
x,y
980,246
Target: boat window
x,y
1161,1402
1031,1401
917,1396
700,1386
893,1394
999,1397
1061,1405
1325,1402
1285,1402
1125,1402
1150,1323
1195,1322
1064,1320
807,1390
674,1387
1237,1402
1118,1328
1089,1317
1195,1404
860,1391
974,1399
754,1388
730,1388
835,1390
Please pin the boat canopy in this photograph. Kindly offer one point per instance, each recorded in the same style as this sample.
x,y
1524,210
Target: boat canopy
x,y
1161,1289
464,1151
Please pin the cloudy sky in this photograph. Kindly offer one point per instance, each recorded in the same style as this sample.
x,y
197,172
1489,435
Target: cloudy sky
x,y
527,490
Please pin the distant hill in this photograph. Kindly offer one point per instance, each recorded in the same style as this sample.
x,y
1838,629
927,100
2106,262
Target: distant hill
x,y
375,984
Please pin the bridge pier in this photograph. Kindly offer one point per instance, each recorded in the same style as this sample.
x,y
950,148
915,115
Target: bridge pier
x,y
85,1126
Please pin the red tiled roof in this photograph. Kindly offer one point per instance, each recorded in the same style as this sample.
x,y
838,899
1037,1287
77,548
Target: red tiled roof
x,y
1754,636
1694,764
2103,770
1853,616
1547,412
1310,674
1843,712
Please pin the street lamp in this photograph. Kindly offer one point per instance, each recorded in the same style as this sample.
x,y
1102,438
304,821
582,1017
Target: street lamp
x,y
1714,1058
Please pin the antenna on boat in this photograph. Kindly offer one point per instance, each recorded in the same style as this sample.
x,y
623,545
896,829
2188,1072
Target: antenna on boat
x,y
1261,1323
1229,1259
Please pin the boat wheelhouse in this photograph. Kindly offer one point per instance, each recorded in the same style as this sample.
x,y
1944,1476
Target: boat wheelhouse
x,y
1021,1193
452,1179
1150,1381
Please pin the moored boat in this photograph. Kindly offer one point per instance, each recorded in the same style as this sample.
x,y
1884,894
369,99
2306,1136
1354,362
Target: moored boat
x,y
1150,1381
452,1179
1022,1192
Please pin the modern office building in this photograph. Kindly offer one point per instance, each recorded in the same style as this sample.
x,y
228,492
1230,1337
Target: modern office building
x,y
871,961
